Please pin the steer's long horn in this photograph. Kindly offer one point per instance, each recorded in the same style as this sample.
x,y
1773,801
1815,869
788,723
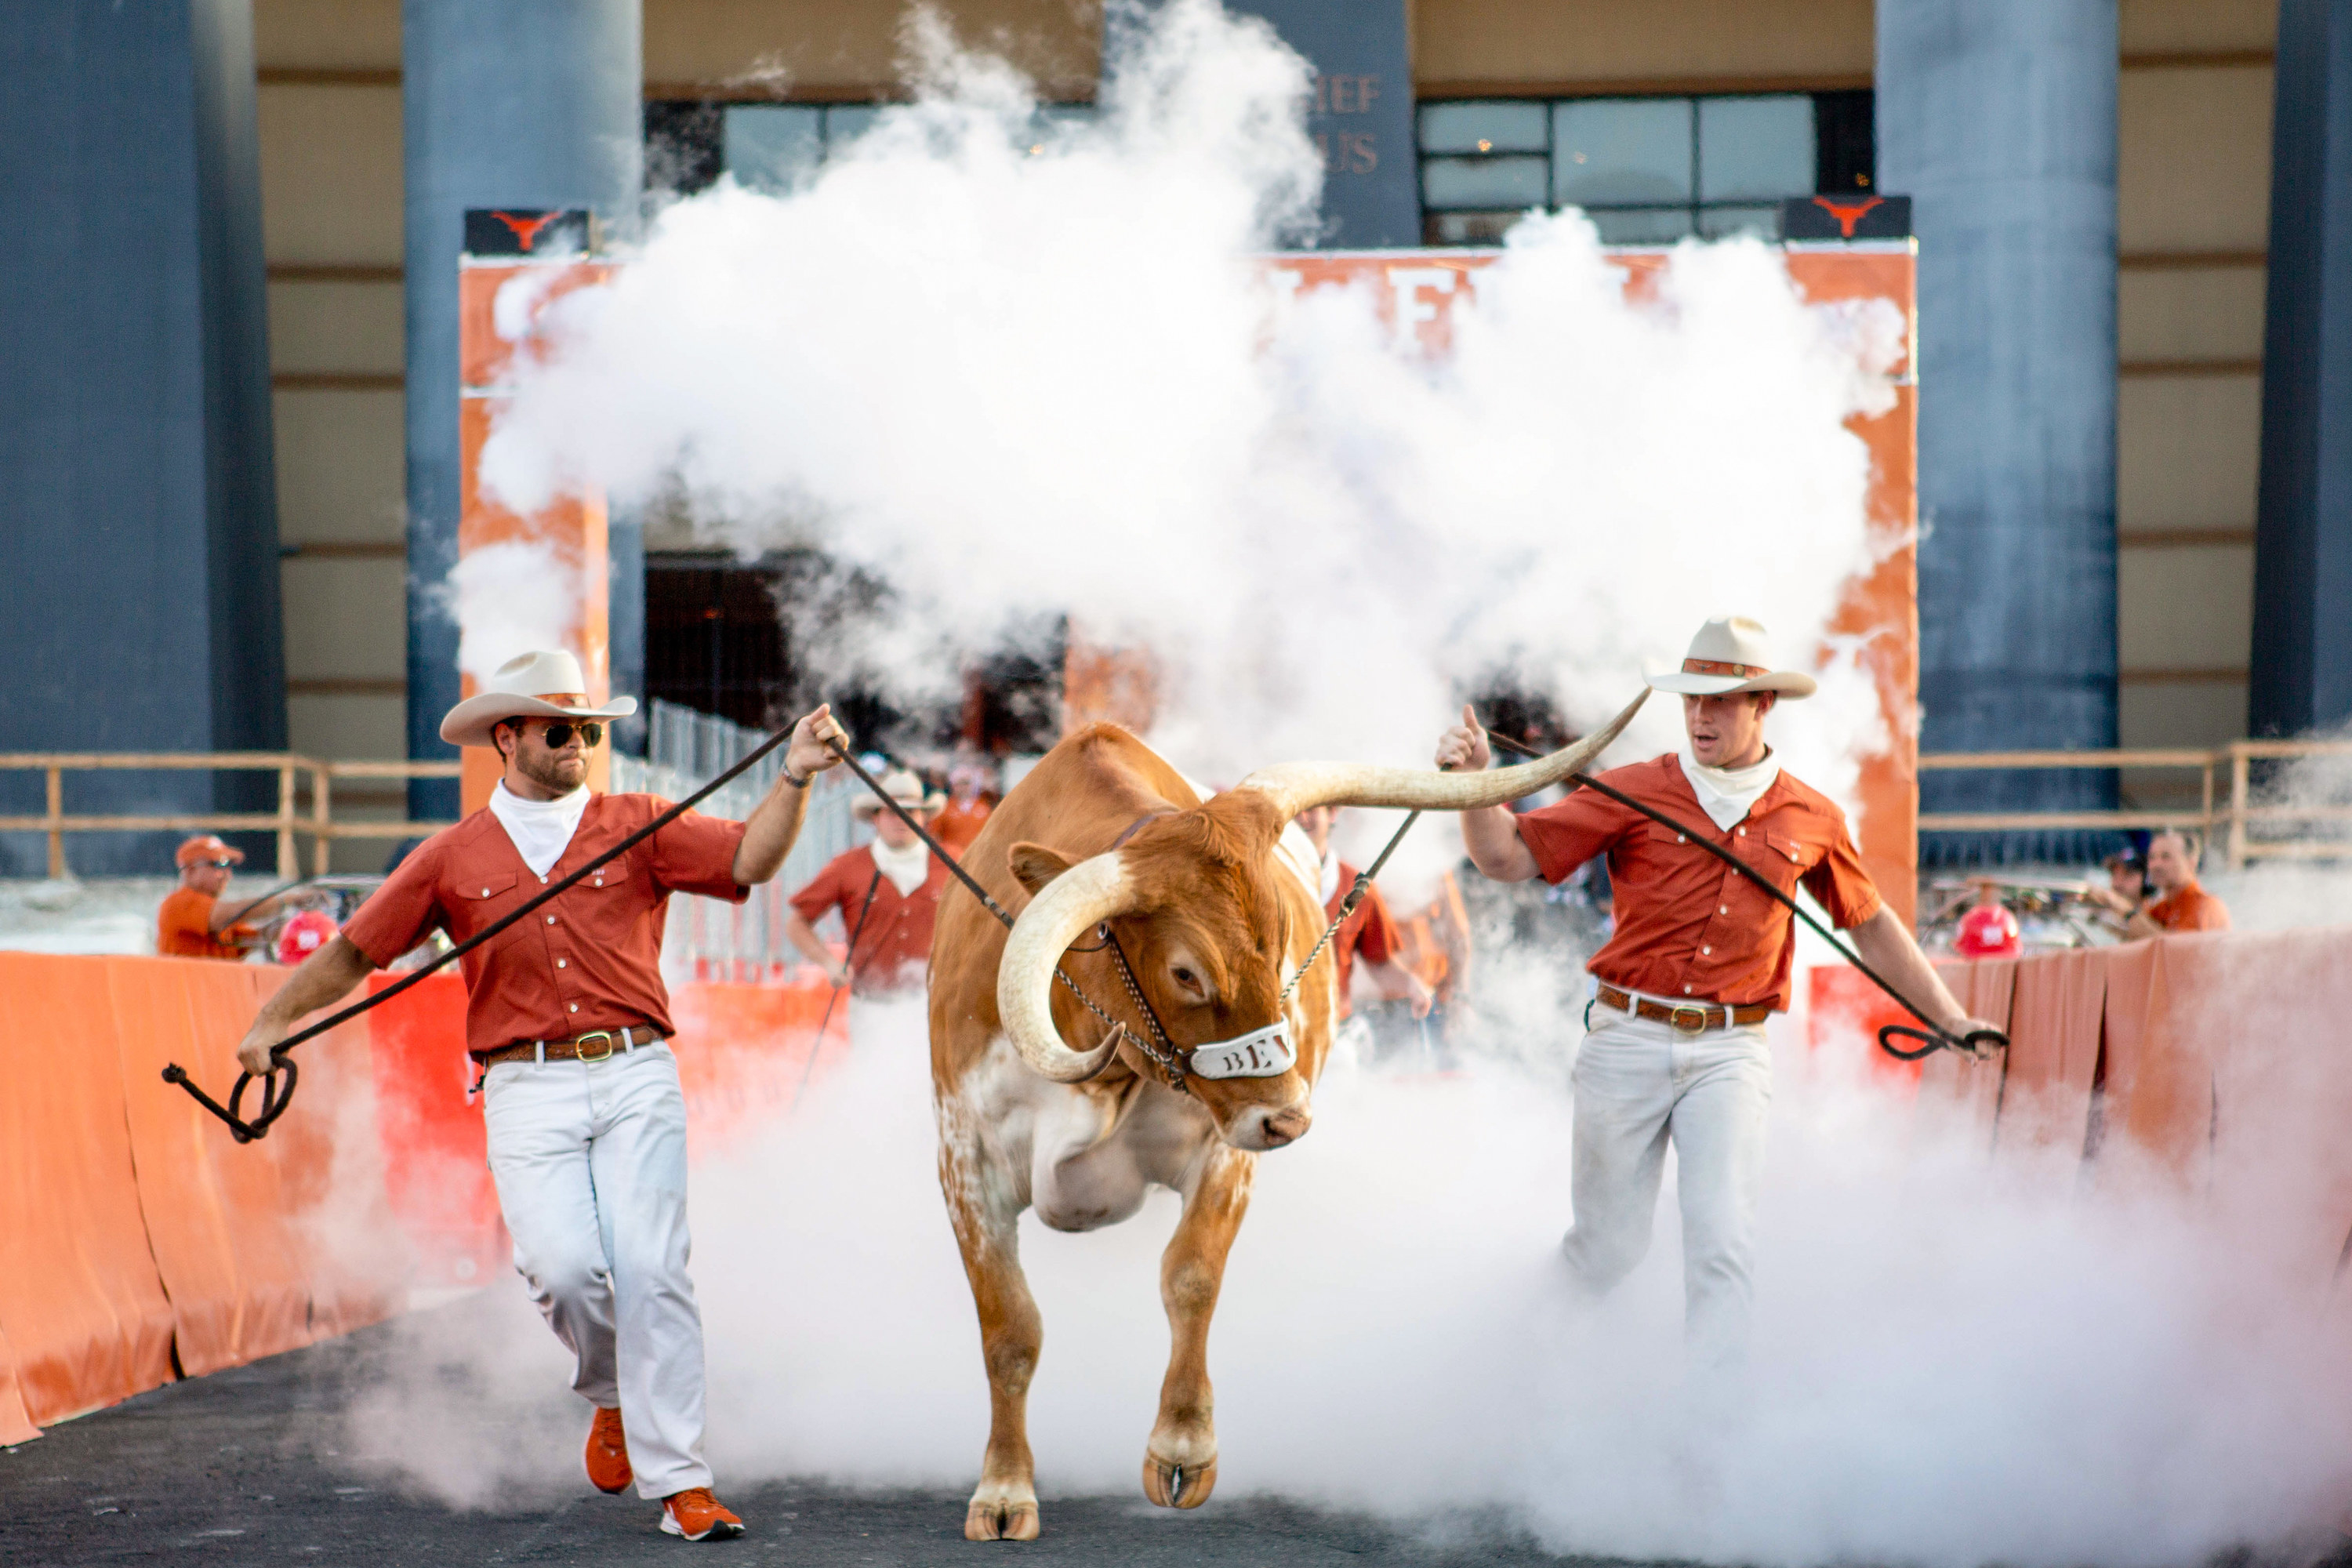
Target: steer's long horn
x,y
1296,787
1086,894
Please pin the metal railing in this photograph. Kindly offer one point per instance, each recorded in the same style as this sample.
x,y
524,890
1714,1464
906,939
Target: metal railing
x,y
2240,825
287,821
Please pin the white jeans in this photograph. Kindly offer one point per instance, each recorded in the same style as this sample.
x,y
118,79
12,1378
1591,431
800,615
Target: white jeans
x,y
1639,1083
590,1160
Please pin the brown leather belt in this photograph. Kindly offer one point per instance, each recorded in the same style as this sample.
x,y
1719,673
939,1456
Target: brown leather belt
x,y
591,1047
1690,1017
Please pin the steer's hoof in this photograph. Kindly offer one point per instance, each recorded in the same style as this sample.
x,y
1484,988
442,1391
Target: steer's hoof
x,y
1171,1485
1000,1519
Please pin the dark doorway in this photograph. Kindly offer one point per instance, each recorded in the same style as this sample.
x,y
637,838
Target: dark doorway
x,y
714,640
744,639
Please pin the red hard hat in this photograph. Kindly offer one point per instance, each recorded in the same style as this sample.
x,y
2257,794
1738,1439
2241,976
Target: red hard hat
x,y
1989,933
303,935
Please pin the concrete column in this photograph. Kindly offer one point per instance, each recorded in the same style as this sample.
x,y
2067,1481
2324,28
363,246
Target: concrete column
x,y
138,574
1997,119
2302,655
523,104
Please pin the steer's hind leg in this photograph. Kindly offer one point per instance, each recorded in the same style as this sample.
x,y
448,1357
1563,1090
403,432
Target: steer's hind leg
x,y
986,1215
1180,1463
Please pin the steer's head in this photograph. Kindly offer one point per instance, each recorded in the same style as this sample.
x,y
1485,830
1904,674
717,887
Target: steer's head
x,y
1214,928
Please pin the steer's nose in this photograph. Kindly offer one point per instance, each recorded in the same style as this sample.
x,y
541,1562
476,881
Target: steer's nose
x,y
1287,1125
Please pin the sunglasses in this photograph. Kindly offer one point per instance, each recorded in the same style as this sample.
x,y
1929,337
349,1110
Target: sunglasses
x,y
558,734
219,864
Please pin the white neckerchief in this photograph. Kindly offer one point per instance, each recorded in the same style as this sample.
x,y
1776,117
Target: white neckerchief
x,y
1726,793
541,829
1330,888
907,867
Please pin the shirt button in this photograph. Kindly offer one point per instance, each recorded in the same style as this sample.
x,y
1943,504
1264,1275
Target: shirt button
x,y
486,892
542,878
1687,990
551,919
1743,833
575,1006
1707,952
560,963
1723,908
1680,839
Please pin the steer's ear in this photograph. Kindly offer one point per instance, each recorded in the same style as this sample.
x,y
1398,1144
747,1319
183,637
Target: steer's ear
x,y
1033,865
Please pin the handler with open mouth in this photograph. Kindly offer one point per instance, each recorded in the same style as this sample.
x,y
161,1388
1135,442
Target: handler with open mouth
x,y
1674,1049
568,1019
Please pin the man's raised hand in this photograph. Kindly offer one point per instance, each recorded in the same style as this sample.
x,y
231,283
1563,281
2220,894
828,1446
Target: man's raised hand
x,y
806,754
1465,745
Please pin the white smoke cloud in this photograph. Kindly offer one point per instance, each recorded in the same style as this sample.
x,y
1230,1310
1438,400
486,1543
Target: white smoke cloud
x,y
1014,383
510,598
1953,1364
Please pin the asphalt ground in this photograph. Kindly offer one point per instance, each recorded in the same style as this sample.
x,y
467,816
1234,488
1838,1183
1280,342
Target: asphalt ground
x,y
246,1466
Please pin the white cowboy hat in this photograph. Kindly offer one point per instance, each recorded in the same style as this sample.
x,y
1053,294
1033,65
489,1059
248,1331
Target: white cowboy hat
x,y
903,787
1731,653
543,685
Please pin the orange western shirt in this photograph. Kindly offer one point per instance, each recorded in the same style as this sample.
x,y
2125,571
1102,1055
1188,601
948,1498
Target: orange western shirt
x,y
2190,909
1687,924
590,959
183,927
896,939
1368,929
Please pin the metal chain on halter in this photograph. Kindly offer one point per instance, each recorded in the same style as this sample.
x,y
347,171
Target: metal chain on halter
x,y
1164,1056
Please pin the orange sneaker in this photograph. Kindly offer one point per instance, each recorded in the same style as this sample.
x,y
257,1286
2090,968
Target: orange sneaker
x,y
608,1453
698,1516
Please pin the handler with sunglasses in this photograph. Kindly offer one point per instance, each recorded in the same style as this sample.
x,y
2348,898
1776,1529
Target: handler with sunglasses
x,y
568,1019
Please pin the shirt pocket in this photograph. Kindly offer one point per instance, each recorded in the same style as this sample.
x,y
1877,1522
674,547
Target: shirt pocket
x,y
1794,854
477,895
609,878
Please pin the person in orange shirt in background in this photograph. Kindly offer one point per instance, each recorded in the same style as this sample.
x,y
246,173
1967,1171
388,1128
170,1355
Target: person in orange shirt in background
x,y
1369,932
2180,904
886,894
970,800
190,924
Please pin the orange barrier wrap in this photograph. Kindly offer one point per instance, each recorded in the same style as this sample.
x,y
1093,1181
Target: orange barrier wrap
x,y
2213,1061
215,1217
1957,1089
81,1304
138,1241
743,1054
436,1154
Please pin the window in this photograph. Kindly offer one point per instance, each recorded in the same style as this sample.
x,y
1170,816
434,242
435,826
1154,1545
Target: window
x,y
1649,171
774,146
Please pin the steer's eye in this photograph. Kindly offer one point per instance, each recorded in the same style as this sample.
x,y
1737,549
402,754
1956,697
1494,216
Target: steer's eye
x,y
1187,980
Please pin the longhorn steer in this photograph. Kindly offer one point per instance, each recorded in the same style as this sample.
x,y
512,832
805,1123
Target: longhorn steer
x,y
1213,921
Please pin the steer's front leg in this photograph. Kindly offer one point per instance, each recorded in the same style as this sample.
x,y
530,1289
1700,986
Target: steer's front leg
x,y
985,1213
1180,1463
